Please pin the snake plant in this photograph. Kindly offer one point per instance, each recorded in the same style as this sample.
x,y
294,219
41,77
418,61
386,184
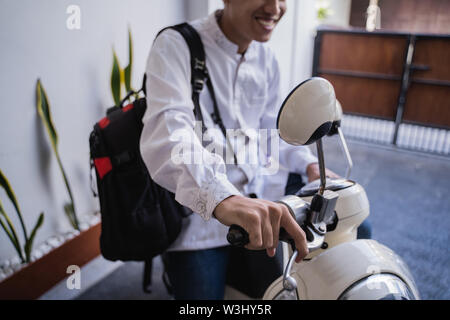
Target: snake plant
x,y
43,108
8,227
121,78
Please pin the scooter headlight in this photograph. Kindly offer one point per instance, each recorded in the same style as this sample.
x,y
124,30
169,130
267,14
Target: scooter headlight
x,y
379,287
286,295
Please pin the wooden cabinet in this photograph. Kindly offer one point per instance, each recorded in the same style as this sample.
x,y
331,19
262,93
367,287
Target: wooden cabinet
x,y
401,77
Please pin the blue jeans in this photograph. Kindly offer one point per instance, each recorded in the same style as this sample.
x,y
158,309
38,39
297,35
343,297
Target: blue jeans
x,y
197,275
364,230
202,274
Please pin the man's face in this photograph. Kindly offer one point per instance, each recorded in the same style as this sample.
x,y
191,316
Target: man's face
x,y
255,19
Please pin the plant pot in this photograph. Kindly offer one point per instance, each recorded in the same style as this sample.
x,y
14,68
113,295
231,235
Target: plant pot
x,y
37,277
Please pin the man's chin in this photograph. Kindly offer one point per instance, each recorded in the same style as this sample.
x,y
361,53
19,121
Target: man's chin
x,y
263,38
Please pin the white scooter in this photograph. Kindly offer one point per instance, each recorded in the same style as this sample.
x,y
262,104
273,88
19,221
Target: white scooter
x,y
330,210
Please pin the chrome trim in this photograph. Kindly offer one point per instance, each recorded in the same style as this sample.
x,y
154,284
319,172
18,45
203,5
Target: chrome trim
x,y
297,207
332,184
286,295
289,283
379,287
346,153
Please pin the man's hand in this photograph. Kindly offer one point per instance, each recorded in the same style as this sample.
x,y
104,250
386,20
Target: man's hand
x,y
313,172
262,220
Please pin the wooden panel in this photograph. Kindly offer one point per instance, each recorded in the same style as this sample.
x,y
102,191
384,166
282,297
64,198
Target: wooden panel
x,y
428,104
363,53
434,53
39,276
358,13
416,16
377,98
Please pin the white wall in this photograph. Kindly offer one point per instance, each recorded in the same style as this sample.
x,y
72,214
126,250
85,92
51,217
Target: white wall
x,y
340,16
74,66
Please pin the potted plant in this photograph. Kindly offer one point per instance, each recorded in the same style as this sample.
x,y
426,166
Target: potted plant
x,y
32,272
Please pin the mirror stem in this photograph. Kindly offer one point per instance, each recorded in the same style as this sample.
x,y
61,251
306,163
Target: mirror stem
x,y
346,152
321,166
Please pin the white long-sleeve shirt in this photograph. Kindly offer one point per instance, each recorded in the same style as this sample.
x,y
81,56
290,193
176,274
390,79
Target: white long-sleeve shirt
x,y
247,93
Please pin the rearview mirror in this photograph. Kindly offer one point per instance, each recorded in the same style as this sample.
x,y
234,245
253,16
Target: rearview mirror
x,y
308,112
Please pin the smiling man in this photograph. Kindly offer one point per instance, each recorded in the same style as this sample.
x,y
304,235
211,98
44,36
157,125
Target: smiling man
x,y
246,80
245,21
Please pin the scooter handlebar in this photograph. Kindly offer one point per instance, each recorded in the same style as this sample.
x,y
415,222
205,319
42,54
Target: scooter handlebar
x,y
237,236
309,217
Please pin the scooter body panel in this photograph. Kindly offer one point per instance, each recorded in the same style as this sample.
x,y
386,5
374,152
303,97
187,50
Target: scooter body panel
x,y
328,275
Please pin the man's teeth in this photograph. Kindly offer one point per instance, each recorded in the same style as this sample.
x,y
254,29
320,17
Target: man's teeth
x,y
266,23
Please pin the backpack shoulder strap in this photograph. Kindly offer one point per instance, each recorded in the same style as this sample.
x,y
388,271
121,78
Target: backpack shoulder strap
x,y
198,63
199,73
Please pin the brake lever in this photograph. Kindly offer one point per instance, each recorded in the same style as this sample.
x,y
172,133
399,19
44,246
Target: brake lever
x,y
289,283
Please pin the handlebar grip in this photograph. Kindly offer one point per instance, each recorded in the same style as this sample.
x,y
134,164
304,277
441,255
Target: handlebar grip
x,y
237,236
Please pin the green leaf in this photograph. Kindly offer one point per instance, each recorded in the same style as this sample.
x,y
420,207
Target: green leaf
x,y
73,216
322,13
4,183
70,213
128,69
11,232
29,243
14,243
9,191
116,80
5,228
43,108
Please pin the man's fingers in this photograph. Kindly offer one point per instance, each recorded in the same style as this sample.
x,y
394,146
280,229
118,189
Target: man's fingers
x,y
253,227
275,216
262,220
297,234
267,233
271,252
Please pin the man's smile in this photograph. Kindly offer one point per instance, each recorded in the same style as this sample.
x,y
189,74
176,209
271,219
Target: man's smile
x,y
267,23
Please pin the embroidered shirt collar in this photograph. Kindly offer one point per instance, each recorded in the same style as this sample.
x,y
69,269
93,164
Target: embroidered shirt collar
x,y
222,41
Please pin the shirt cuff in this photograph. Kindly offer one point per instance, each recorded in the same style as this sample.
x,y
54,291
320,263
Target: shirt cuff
x,y
209,195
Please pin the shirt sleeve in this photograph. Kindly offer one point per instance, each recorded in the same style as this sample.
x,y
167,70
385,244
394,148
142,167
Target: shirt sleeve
x,y
294,158
197,177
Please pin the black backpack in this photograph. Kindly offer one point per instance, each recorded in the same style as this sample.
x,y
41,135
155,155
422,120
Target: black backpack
x,y
140,219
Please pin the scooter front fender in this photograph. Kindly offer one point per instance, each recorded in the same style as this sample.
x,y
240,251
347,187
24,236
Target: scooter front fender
x,y
361,269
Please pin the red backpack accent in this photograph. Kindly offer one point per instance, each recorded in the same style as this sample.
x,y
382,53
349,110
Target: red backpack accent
x,y
103,122
103,166
128,107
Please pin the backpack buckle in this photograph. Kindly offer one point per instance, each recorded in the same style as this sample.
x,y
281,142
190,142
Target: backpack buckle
x,y
198,85
199,64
